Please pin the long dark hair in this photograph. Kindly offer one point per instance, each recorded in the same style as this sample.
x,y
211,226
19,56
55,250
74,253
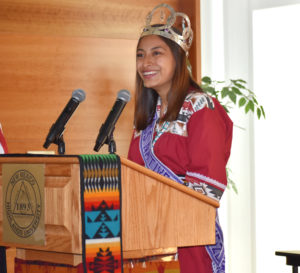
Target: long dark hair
x,y
146,98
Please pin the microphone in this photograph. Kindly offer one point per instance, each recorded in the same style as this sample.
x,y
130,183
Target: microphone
x,y
58,127
109,125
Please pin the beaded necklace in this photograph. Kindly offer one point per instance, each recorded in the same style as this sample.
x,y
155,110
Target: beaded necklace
x,y
159,130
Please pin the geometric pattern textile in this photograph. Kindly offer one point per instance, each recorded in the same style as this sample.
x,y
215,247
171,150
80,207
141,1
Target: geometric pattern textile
x,y
101,213
153,267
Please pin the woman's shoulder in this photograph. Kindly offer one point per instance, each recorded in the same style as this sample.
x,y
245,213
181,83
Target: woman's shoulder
x,y
197,100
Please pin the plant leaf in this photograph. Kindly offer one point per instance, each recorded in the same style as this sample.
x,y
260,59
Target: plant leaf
x,y
239,85
208,89
236,91
242,102
263,111
224,92
206,80
255,101
226,109
258,112
249,106
232,96
231,184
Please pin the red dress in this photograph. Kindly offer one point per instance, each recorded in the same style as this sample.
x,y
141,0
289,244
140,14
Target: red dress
x,y
196,147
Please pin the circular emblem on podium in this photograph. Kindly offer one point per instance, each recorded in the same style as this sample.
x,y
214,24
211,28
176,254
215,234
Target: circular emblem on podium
x,y
23,203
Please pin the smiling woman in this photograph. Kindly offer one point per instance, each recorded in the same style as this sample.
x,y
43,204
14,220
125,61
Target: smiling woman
x,y
50,48
156,65
180,131
161,66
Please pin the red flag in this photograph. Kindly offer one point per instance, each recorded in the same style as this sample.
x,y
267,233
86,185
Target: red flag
x,y
3,145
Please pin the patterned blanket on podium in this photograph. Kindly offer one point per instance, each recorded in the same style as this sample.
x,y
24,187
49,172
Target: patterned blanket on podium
x,y
101,213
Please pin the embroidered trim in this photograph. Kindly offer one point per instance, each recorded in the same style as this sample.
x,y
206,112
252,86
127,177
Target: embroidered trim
x,y
205,189
151,161
193,103
217,251
207,179
199,100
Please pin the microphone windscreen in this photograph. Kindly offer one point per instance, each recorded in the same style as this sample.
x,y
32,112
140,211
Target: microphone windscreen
x,y
124,95
78,95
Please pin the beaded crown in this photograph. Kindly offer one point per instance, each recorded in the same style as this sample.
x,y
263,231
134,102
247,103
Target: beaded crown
x,y
166,26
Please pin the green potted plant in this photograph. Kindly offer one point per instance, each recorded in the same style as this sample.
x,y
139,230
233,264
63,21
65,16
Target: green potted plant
x,y
231,94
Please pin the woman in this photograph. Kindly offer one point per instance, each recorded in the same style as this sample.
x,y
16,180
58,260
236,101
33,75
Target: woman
x,y
180,131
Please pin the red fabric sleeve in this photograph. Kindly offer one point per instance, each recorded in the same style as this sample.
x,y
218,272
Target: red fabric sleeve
x,y
209,141
3,145
134,152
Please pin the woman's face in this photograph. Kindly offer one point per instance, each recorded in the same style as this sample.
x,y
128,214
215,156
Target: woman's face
x,y
155,64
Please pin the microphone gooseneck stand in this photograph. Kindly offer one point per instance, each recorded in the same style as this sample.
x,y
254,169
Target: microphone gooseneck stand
x,y
59,141
112,147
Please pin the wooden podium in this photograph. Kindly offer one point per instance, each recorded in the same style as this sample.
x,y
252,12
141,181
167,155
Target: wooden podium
x,y
158,214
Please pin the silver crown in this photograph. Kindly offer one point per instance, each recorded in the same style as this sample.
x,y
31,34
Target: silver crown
x,y
165,24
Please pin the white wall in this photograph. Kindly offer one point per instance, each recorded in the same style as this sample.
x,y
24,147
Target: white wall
x,y
276,54
262,4
237,44
234,38
225,31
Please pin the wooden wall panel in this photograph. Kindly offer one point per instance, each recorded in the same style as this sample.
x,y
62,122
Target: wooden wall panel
x,y
192,8
50,48
41,76
93,18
